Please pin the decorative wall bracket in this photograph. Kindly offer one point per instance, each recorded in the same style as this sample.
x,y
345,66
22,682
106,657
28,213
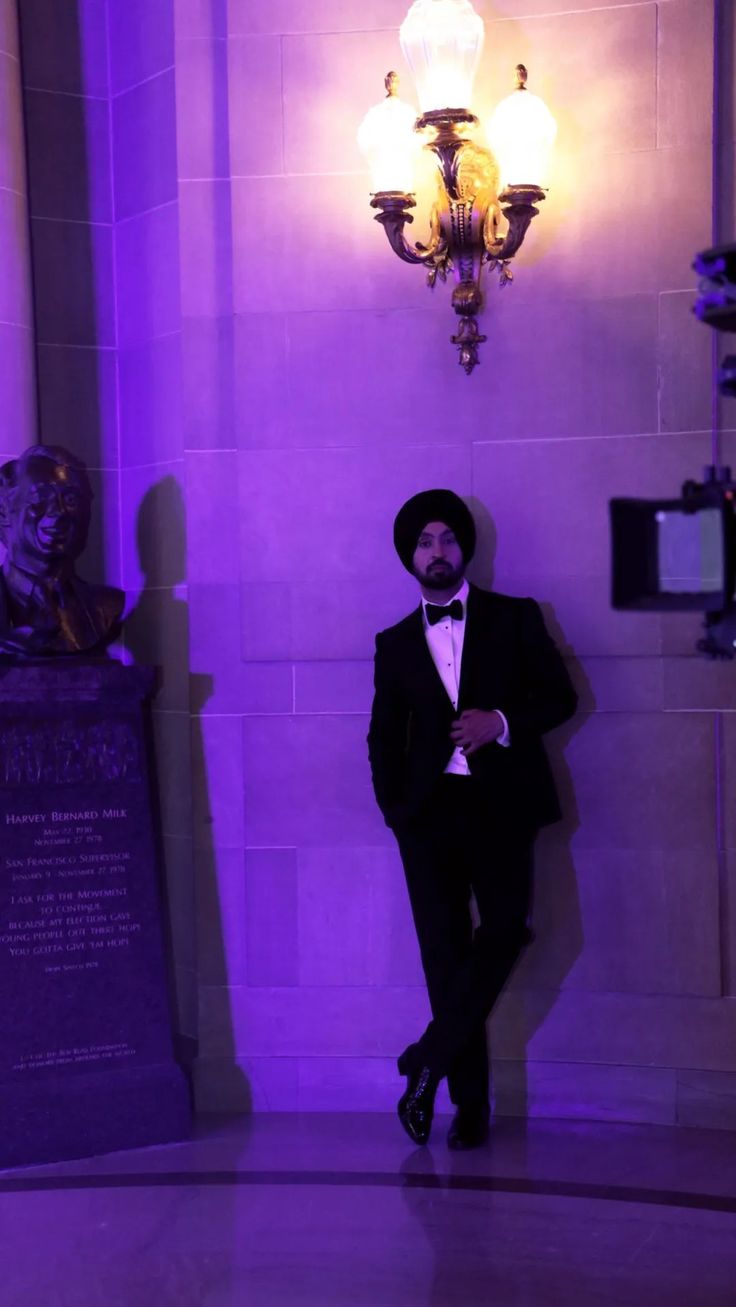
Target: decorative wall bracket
x,y
471,224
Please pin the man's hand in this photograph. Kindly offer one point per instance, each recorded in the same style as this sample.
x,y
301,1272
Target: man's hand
x,y
474,728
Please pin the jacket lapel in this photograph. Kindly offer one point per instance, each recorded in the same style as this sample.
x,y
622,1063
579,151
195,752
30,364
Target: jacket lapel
x,y
482,646
423,662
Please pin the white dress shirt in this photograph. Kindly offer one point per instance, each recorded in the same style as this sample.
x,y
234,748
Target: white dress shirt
x,y
445,642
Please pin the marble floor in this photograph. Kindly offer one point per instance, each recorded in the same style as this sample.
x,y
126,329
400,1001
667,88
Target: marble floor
x,y
327,1210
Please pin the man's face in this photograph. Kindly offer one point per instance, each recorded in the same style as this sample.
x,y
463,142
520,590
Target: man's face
x,y
49,514
438,559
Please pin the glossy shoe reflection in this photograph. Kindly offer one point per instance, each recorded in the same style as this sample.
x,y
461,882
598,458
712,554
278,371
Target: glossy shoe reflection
x,y
416,1106
469,1129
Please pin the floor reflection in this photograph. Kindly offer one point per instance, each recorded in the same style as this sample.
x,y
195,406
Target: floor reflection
x,y
339,1211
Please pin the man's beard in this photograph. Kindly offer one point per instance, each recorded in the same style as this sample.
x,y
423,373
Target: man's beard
x,y
441,576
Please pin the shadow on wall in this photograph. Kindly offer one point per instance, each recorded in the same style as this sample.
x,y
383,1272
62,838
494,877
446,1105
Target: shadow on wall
x,y
556,916
157,632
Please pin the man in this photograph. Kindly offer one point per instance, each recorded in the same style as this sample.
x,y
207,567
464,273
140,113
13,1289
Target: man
x,y
45,608
465,687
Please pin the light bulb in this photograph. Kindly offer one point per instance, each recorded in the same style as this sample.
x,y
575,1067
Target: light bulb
x,y
521,132
442,42
387,138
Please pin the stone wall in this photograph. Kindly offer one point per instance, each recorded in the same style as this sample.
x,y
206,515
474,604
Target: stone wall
x,y
281,384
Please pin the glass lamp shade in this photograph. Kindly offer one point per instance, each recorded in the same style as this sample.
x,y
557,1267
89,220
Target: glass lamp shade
x,y
521,132
442,42
387,139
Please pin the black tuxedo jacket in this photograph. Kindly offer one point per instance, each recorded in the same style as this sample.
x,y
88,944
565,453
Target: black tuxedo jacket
x,y
509,662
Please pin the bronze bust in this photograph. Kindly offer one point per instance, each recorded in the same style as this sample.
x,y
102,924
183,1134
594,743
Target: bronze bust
x,y
46,610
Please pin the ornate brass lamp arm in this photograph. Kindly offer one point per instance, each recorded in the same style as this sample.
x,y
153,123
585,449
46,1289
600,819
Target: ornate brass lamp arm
x,y
394,215
518,208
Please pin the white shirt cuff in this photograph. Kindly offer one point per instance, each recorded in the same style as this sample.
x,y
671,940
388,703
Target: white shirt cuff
x,y
504,739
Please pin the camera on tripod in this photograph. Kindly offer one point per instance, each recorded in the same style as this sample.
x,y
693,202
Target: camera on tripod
x,y
679,555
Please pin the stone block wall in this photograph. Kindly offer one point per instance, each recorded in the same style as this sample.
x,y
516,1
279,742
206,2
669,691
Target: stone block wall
x,y
347,398
264,384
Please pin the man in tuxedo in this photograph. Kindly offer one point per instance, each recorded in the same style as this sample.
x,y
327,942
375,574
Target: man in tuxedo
x,y
465,687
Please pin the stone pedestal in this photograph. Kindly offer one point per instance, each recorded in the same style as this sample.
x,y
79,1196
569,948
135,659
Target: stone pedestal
x,y
86,1055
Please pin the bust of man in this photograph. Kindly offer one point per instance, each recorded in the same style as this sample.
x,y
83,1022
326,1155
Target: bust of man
x,y
45,608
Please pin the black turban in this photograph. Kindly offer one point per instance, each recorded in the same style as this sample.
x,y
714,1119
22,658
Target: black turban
x,y
433,506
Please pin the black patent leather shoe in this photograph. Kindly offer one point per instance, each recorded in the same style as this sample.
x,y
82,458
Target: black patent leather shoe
x,y
469,1129
416,1106
408,1060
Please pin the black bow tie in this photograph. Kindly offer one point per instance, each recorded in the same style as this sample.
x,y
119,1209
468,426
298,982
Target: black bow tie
x,y
437,614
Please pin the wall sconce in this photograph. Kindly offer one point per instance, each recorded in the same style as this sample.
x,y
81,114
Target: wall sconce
x,y
480,189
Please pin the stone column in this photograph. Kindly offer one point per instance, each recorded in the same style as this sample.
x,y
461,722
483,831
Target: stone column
x,y
17,370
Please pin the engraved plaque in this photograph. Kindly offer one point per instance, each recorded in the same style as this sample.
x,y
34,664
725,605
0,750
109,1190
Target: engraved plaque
x,y
82,966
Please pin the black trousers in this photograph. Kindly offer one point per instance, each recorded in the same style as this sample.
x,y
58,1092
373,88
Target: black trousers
x,y
460,847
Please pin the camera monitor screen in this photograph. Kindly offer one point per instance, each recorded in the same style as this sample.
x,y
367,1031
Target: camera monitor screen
x,y
669,555
689,551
